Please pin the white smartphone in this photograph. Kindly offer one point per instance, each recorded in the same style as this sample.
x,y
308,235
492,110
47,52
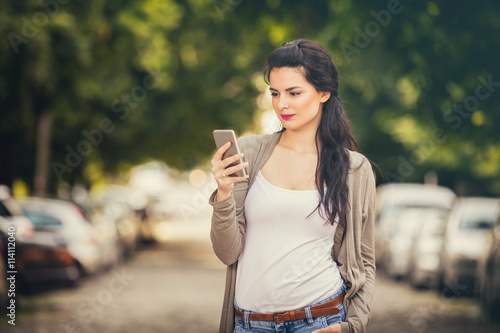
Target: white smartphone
x,y
221,137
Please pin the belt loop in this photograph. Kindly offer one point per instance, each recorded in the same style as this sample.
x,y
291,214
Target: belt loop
x,y
292,315
246,323
310,320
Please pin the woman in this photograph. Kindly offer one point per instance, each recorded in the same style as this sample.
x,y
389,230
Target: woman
x,y
297,231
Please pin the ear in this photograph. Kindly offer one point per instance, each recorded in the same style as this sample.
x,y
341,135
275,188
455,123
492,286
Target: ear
x,y
325,95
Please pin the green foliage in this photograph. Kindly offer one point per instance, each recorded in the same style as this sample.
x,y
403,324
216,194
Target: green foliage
x,y
416,82
151,79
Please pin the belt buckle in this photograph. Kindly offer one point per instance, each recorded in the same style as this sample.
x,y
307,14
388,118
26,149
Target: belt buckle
x,y
275,317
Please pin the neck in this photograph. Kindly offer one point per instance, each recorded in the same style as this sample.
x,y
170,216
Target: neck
x,y
299,141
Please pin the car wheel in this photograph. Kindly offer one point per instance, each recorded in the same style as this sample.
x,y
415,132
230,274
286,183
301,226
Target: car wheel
x,y
25,287
490,300
441,286
75,275
412,278
493,310
3,287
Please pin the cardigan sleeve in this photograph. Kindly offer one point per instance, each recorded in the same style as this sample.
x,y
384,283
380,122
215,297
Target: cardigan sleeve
x,y
227,232
358,313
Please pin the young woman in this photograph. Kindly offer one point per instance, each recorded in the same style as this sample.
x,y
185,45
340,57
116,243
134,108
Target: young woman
x,y
297,232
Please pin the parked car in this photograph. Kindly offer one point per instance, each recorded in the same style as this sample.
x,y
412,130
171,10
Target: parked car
x,y
12,222
68,220
395,196
13,216
402,236
465,239
153,180
118,203
108,239
488,274
3,278
45,258
425,256
40,256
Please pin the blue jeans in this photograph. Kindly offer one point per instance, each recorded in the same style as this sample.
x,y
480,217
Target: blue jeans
x,y
297,326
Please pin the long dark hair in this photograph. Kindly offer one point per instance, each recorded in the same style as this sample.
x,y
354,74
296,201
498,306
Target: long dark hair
x,y
334,131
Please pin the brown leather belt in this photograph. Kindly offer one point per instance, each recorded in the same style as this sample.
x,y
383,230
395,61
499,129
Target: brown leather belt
x,y
323,309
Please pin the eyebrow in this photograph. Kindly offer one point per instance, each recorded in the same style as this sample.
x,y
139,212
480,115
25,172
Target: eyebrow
x,y
287,89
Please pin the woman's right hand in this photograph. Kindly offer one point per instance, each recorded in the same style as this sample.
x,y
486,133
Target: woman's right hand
x,y
225,182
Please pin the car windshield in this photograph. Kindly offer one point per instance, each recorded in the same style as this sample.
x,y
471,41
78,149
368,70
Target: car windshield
x,y
435,221
4,211
41,220
10,208
477,217
407,221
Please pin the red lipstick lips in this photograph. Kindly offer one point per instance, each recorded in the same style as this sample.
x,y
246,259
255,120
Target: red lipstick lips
x,y
287,116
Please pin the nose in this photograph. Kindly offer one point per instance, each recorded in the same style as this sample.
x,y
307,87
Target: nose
x,y
282,103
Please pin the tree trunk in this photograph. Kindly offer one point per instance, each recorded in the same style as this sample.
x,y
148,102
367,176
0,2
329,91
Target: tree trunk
x,y
42,154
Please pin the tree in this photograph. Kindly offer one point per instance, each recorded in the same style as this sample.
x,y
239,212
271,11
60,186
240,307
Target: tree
x,y
126,81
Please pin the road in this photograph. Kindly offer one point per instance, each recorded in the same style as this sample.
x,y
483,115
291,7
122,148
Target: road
x,y
173,286
177,286
398,308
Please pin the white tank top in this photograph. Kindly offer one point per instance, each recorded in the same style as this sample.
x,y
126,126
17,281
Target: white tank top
x,y
285,263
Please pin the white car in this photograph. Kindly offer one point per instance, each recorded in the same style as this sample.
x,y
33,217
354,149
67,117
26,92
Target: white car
x,y
465,241
394,197
406,223
425,256
13,216
119,205
39,256
70,222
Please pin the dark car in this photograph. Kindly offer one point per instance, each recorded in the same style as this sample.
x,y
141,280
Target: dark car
x,y
46,258
40,256
3,278
488,273
92,242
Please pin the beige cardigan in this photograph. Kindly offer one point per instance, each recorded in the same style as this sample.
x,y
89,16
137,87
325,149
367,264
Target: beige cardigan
x,y
353,248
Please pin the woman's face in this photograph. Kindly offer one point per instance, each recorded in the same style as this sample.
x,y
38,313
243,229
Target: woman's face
x,y
296,102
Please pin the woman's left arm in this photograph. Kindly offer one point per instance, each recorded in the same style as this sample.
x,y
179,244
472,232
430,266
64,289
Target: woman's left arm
x,y
358,313
359,307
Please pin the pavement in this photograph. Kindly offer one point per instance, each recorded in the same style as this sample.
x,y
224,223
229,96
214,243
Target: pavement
x,y
177,286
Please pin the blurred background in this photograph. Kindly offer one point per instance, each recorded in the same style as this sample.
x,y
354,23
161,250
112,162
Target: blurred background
x,y
106,116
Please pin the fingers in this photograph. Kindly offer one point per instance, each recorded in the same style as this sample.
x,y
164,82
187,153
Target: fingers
x,y
222,172
233,169
225,181
218,165
229,160
237,179
220,152
335,328
224,176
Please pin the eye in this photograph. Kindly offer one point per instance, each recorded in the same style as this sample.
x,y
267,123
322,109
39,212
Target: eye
x,y
295,93
274,94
